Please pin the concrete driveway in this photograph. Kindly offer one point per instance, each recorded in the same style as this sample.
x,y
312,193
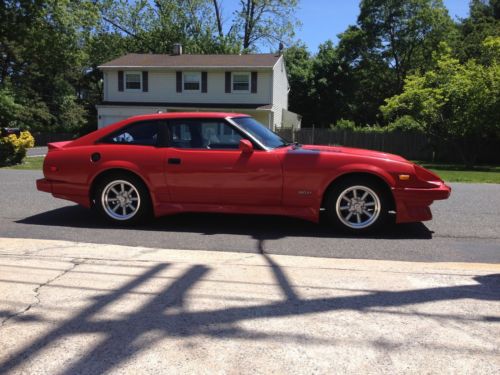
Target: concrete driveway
x,y
76,308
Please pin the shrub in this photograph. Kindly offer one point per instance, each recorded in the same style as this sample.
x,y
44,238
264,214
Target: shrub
x,y
13,148
405,123
344,124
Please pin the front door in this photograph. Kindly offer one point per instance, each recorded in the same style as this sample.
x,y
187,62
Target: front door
x,y
204,165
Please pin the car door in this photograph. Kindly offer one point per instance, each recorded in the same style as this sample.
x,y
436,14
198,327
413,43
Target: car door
x,y
206,166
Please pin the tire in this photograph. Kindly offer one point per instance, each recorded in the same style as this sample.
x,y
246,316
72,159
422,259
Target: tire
x,y
357,205
123,199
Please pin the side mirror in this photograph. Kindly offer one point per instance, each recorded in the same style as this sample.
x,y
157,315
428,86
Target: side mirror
x,y
246,146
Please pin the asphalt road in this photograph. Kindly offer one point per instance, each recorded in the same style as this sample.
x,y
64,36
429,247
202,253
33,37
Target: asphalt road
x,y
37,151
465,228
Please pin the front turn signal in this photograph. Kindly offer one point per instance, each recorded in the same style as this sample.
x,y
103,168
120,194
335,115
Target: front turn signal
x,y
404,177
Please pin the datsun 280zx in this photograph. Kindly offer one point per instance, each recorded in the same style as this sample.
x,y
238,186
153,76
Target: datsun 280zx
x,y
168,163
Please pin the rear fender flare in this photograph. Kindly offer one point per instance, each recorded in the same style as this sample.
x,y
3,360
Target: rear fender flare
x,y
125,166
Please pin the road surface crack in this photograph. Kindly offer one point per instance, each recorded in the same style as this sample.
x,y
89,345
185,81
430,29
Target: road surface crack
x,y
74,263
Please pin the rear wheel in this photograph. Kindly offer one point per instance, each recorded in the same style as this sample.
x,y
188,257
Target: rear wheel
x,y
123,199
357,205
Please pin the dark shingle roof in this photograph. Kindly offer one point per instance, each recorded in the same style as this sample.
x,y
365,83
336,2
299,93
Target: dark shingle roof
x,y
264,60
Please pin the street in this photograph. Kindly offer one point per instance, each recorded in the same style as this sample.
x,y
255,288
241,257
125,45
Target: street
x,y
465,228
249,295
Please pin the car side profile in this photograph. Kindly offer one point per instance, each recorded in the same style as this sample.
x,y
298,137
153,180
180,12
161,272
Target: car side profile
x,y
168,163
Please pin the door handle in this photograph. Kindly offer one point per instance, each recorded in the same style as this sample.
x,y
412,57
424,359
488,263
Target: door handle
x,y
174,161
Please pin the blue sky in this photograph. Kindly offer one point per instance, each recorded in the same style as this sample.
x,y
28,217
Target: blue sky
x,y
324,19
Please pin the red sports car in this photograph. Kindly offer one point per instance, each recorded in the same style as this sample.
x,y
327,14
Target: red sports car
x,y
167,163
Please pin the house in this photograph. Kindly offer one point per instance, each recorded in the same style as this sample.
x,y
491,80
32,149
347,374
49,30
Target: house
x,y
254,84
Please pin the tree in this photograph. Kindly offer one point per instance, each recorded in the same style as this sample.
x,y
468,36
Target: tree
x,y
268,21
299,64
369,79
404,32
483,21
41,54
455,103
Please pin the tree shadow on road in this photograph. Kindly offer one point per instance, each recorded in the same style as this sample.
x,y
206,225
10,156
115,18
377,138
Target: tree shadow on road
x,y
267,227
167,315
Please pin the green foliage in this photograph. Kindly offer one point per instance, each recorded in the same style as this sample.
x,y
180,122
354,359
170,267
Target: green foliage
x,y
344,124
390,40
405,123
10,111
455,103
13,148
484,21
41,57
299,67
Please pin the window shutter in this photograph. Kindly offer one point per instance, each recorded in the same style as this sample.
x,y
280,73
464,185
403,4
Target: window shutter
x,y
228,82
254,83
203,81
178,76
120,80
145,81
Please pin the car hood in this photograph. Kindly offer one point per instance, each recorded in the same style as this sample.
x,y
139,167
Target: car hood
x,y
353,151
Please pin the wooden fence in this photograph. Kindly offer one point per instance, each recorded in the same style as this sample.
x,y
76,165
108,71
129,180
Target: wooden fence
x,y
414,146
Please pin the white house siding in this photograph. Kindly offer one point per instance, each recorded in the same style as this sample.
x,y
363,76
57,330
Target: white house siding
x,y
162,88
109,114
280,91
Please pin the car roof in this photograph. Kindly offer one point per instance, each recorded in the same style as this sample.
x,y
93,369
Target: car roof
x,y
169,115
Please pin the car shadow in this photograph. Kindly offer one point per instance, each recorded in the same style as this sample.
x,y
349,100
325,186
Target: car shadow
x,y
256,226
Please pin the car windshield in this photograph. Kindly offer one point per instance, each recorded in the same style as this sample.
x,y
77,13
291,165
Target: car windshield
x,y
260,132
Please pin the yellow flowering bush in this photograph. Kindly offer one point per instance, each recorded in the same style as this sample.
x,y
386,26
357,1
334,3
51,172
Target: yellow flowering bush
x,y
13,148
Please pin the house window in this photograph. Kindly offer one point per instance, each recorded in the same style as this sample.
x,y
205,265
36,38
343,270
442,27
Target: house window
x,y
192,81
241,82
133,80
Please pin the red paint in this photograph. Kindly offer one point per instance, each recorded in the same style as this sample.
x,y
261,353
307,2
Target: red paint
x,y
285,181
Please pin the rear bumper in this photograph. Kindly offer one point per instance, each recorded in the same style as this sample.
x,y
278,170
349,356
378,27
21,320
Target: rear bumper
x,y
72,192
44,185
412,204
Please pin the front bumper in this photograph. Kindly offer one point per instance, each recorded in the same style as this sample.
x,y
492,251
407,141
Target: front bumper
x,y
412,204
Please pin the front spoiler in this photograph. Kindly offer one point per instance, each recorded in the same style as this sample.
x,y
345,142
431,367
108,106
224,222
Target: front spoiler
x,y
412,204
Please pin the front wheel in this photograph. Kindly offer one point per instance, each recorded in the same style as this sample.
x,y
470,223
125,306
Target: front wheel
x,y
357,206
122,199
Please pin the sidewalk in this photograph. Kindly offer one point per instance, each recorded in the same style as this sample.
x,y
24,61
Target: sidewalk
x,y
70,308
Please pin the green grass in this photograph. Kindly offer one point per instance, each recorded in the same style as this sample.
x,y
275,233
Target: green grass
x,y
33,163
457,173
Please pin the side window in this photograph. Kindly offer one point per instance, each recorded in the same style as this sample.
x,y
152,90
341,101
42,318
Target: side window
x,y
205,134
144,133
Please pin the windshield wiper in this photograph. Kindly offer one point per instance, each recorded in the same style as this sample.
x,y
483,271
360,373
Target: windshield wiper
x,y
294,144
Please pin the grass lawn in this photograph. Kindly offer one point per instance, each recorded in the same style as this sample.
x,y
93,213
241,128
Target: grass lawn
x,y
448,172
457,173
35,162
